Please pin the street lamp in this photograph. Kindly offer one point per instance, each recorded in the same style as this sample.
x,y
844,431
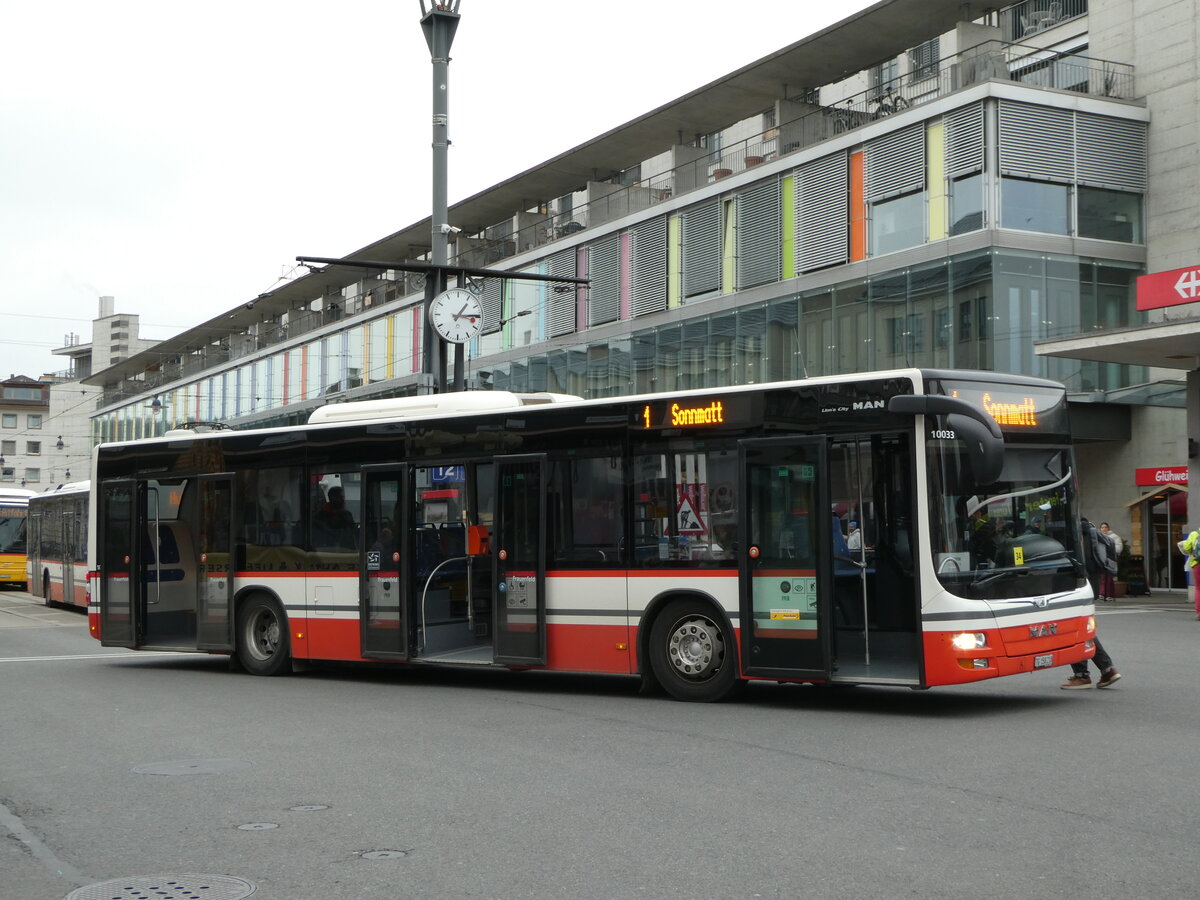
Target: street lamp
x,y
524,312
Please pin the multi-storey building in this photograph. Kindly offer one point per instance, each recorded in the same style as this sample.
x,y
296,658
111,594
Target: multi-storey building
x,y
68,448
988,185
24,408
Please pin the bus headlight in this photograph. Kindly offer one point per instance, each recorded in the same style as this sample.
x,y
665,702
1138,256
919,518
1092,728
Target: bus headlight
x,y
969,640
1091,625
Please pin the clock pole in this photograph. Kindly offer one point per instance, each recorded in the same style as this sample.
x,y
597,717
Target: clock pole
x,y
439,24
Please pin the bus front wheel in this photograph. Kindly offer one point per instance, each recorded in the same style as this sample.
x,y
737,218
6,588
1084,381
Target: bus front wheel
x,y
692,655
262,645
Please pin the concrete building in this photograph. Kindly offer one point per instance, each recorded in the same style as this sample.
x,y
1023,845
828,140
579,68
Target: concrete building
x,y
24,409
928,182
72,402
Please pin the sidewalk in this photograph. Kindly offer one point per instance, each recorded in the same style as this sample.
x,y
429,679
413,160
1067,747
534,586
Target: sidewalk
x,y
1156,595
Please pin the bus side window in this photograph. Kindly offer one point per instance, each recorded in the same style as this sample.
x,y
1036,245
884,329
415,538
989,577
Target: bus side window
x,y
587,511
270,505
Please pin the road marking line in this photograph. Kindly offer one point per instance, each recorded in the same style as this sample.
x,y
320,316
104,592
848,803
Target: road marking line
x,y
136,655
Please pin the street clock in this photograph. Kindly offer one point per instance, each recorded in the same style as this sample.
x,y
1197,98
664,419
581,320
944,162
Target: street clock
x,y
456,315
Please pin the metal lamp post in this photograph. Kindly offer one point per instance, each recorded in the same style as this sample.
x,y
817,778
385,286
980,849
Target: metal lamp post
x,y
439,23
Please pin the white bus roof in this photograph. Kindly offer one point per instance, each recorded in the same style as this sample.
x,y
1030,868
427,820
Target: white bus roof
x,y
431,405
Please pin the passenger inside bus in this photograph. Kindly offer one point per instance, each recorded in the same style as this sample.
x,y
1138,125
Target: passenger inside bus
x,y
333,525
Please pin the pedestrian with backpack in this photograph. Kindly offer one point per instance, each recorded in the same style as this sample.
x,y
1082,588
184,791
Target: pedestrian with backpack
x,y
1096,561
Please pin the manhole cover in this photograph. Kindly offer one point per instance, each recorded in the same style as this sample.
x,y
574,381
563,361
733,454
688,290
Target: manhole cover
x,y
308,807
257,826
167,887
193,767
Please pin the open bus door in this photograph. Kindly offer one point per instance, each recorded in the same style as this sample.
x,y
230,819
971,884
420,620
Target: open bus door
x,y
519,553
384,569
122,515
786,600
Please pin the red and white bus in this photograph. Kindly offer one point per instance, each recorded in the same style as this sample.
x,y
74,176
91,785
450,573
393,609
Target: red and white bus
x,y
14,513
58,545
699,539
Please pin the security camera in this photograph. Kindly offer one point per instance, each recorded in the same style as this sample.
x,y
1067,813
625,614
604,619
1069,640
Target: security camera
x,y
450,229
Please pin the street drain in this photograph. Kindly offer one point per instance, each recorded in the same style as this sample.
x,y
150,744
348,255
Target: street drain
x,y
308,807
257,826
384,854
167,887
193,767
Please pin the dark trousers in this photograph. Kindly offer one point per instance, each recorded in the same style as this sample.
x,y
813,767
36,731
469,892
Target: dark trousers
x,y
1102,661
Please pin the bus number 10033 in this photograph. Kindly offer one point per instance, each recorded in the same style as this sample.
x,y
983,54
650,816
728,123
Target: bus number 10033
x,y
944,435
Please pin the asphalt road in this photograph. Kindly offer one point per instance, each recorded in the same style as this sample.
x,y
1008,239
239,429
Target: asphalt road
x,y
184,779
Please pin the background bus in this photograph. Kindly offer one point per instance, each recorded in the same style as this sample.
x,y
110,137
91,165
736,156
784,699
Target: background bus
x,y
14,509
58,545
697,539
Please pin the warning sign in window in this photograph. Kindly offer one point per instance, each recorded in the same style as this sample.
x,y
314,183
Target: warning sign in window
x,y
687,520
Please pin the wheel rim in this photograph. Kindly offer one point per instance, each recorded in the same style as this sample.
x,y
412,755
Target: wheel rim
x,y
696,648
262,633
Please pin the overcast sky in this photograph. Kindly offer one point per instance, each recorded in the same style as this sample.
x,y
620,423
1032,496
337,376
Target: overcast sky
x,y
178,157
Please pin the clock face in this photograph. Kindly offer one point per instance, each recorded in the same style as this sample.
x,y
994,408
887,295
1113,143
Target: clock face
x,y
456,315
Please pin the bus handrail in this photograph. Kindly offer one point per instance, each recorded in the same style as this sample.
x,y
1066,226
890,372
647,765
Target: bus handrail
x,y
425,593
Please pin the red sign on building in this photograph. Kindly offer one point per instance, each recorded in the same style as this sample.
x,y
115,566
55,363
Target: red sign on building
x,y
1159,289
1161,475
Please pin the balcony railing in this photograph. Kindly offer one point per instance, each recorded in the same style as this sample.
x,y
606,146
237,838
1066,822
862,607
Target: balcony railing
x,y
816,123
1022,21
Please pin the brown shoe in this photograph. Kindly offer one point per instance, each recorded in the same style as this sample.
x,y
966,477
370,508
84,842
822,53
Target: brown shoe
x,y
1078,682
1107,679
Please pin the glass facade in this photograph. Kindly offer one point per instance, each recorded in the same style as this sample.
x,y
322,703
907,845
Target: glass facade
x,y
975,311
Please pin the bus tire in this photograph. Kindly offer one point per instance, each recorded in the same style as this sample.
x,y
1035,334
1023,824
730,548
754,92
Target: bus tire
x,y
262,636
692,653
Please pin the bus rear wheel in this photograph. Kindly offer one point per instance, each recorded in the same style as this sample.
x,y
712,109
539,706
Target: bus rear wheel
x,y
692,654
262,644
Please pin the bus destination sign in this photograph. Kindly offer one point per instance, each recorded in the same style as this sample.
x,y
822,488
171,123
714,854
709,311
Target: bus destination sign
x,y
1008,408
1022,412
691,414
1028,408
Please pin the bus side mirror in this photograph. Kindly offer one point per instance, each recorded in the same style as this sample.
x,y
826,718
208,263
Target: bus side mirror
x,y
985,453
981,436
478,541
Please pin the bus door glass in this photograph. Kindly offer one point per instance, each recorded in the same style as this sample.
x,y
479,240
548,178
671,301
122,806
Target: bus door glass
x,y
875,609
35,536
782,558
66,513
519,550
214,553
384,569
121,516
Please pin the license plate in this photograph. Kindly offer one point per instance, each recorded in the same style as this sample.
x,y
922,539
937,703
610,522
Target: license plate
x,y
1044,661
